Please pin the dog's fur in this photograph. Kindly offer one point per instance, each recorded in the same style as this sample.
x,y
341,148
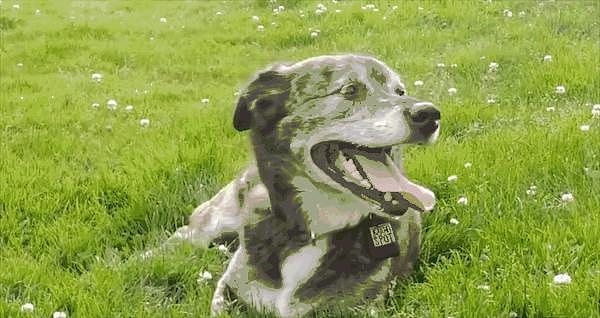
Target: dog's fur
x,y
301,238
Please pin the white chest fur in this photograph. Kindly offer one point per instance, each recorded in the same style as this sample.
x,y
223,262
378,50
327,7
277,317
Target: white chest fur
x,y
295,270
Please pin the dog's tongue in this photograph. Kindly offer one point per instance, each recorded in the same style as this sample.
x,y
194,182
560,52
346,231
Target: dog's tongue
x,y
387,177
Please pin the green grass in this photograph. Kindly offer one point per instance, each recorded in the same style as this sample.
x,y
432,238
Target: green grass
x,y
78,199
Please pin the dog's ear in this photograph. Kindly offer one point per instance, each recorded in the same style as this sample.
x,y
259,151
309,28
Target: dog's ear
x,y
241,116
263,100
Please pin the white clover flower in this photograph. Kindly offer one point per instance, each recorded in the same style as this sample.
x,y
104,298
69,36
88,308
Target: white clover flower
x,y
547,58
95,105
273,23
97,77
452,178
129,108
373,312
394,7
584,128
562,279
567,197
148,254
144,122
255,18
338,10
111,104
204,276
16,6
493,67
454,221
531,191
463,201
508,13
468,165
19,64
550,109
22,97
441,65
596,111
219,13
491,100
560,89
205,101
452,90
28,307
314,34
260,28
163,20
419,8
59,314
483,287
418,83
38,12
522,14
453,65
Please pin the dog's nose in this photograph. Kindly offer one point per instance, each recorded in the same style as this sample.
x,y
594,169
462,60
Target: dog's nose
x,y
424,112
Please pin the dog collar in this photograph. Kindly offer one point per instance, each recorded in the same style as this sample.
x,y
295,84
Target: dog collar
x,y
380,237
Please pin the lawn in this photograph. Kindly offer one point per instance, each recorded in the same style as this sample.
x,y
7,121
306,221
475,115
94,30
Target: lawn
x,y
84,188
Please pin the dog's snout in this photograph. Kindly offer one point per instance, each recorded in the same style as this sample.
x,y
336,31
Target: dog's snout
x,y
424,112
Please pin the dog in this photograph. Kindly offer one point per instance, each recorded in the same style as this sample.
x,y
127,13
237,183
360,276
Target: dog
x,y
325,215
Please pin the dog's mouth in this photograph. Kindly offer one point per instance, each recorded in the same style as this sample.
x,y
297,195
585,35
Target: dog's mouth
x,y
371,174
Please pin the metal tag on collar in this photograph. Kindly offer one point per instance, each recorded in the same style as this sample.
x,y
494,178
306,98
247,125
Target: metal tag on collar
x,y
381,239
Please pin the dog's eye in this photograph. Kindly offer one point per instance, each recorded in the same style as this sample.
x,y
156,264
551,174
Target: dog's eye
x,y
399,91
349,90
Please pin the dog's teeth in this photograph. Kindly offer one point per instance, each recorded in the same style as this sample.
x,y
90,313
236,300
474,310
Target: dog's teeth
x,y
395,202
355,174
387,196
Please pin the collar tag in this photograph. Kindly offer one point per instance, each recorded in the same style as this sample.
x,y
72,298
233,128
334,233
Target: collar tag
x,y
381,239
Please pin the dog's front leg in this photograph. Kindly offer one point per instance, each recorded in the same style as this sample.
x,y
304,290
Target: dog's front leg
x,y
218,304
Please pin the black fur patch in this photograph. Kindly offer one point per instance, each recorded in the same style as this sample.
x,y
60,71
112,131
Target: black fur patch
x,y
268,243
346,265
263,103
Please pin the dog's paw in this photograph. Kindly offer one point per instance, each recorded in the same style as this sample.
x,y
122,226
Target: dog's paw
x,y
217,305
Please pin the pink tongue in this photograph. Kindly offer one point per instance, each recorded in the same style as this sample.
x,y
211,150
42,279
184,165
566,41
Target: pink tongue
x,y
388,178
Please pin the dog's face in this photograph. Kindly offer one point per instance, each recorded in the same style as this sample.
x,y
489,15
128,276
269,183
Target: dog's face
x,y
339,117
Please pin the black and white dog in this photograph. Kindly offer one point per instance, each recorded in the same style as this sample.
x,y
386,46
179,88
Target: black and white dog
x,y
326,215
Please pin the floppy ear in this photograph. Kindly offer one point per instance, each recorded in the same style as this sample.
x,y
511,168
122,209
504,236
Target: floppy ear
x,y
241,116
262,100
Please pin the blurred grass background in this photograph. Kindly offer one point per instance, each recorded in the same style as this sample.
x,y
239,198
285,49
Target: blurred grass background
x,y
83,188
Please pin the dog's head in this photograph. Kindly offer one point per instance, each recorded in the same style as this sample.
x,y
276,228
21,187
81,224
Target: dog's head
x,y
335,120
